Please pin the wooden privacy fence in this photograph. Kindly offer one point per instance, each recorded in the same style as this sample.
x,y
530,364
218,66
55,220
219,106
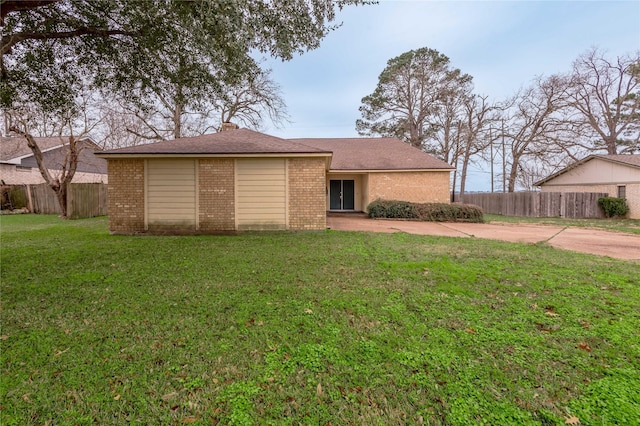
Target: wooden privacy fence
x,y
573,205
83,199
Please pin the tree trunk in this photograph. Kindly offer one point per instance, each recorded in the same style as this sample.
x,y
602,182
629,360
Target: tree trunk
x,y
513,174
61,194
612,144
59,185
463,174
177,120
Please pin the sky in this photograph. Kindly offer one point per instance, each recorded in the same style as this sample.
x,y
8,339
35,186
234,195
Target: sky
x,y
503,45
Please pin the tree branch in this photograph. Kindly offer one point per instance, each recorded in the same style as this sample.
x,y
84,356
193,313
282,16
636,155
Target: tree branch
x,y
7,43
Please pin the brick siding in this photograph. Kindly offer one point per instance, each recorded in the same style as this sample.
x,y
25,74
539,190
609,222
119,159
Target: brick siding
x,y
632,196
216,195
12,175
307,201
126,196
416,187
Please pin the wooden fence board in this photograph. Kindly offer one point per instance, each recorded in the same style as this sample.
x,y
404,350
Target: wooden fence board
x,y
44,199
83,199
87,200
574,205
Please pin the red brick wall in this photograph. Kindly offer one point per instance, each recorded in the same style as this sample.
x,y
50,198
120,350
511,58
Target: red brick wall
x,y
307,202
216,195
126,196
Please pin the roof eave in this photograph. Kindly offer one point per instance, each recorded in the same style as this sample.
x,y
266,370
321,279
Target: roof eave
x,y
113,155
433,169
581,162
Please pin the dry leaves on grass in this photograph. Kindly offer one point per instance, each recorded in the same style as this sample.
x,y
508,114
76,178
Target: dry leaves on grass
x,y
573,420
584,346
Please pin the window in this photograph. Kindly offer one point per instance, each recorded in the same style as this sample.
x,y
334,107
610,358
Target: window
x,y
622,191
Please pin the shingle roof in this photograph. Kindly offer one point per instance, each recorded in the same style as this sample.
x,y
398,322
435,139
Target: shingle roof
x,y
12,147
55,158
352,154
240,141
632,160
349,154
16,151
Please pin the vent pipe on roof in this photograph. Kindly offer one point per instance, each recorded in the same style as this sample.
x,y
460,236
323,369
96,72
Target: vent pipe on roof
x,y
228,126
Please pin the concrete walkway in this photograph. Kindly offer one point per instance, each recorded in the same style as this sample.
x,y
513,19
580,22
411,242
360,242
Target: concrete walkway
x,y
618,245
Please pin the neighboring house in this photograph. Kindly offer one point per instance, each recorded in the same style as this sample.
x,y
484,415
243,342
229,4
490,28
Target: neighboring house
x,y
244,180
18,164
617,175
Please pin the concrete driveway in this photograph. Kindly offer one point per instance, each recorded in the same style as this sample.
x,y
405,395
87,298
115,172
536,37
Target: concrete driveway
x,y
593,241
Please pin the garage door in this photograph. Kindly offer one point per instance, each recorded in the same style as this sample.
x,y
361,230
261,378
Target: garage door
x,y
171,193
261,188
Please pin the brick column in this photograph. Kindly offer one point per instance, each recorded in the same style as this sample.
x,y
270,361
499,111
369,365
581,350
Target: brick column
x,y
216,195
126,196
307,194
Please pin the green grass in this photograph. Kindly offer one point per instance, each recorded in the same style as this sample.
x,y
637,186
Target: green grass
x,y
310,328
622,225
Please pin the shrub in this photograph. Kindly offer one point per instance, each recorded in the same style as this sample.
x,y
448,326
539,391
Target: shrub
x,y
392,209
433,212
439,212
613,206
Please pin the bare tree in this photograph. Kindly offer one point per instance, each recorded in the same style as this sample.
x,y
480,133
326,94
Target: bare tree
x,y
177,113
72,127
446,123
253,101
606,95
479,116
533,120
119,126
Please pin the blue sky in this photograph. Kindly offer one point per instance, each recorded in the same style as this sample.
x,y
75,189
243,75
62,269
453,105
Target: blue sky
x,y
502,44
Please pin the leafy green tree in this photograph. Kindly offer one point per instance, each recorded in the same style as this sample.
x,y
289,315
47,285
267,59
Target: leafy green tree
x,y
48,47
412,90
53,50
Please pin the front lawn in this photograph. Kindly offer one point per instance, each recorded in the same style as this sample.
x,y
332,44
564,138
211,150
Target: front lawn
x,y
310,328
631,226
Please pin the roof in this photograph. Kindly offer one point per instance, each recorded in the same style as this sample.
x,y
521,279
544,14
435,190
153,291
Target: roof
x,y
351,154
348,154
56,157
632,160
14,148
230,142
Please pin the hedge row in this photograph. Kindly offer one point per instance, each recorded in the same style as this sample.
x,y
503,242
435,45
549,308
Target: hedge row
x,y
432,212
